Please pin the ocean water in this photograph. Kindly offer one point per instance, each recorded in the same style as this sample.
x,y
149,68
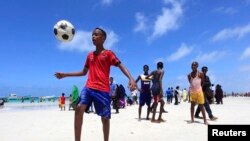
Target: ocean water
x,y
28,104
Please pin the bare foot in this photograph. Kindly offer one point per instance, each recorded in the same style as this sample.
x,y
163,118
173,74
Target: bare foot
x,y
191,121
161,120
155,121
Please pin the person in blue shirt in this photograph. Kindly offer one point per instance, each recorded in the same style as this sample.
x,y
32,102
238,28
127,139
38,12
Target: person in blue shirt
x,y
113,94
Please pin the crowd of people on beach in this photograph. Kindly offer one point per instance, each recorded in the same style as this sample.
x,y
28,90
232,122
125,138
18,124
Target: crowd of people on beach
x,y
144,95
101,93
104,95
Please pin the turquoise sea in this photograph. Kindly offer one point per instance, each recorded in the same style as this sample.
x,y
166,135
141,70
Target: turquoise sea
x,y
34,103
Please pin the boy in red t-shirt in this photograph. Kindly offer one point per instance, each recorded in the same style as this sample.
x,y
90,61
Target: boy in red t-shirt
x,y
97,88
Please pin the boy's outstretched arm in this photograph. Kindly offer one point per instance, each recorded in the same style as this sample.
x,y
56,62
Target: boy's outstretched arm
x,y
61,75
132,84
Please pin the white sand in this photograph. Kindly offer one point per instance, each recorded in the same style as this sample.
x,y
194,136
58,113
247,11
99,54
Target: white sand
x,y
55,125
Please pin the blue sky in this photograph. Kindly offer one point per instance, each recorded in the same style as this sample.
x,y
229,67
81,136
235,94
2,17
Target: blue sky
x,y
177,32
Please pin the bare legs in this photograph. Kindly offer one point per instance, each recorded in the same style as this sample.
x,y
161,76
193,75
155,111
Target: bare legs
x,y
79,111
148,111
139,112
202,111
161,111
105,127
192,111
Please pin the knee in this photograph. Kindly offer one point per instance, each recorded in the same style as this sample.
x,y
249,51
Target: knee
x,y
105,120
79,111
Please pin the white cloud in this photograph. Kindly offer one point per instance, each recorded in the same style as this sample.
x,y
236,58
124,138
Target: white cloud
x,y
183,51
112,39
168,20
141,19
226,10
246,53
228,33
83,42
210,57
106,2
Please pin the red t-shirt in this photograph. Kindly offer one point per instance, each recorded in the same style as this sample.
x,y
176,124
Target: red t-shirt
x,y
99,68
62,100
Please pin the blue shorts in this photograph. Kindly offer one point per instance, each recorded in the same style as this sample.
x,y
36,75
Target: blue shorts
x,y
100,99
145,97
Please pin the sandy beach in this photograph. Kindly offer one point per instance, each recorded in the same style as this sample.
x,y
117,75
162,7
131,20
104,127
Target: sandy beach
x,y
51,124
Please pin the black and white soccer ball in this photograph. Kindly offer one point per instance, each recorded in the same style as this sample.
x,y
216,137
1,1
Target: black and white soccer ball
x,y
64,31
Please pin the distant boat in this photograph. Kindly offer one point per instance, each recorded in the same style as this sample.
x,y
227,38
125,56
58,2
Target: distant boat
x,y
49,97
15,97
12,97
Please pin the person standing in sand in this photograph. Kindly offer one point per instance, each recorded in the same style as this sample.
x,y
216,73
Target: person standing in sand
x,y
219,94
113,95
70,102
157,91
62,101
145,93
196,80
206,91
97,88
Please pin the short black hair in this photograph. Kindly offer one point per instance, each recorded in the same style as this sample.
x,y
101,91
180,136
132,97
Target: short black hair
x,y
195,63
204,68
159,65
145,66
103,32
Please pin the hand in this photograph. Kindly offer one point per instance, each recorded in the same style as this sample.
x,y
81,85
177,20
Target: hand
x,y
59,75
132,85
